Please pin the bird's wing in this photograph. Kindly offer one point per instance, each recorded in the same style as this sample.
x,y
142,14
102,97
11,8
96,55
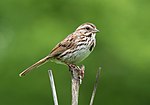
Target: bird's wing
x,y
67,43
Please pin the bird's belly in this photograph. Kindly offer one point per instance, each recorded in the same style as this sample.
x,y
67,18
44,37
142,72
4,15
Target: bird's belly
x,y
76,56
73,58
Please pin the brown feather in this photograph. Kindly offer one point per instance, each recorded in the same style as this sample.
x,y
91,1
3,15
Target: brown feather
x,y
67,43
37,64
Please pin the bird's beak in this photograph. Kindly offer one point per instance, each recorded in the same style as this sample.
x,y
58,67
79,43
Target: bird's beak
x,y
96,30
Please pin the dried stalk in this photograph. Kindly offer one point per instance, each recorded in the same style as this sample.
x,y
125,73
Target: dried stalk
x,y
75,91
77,76
95,86
53,87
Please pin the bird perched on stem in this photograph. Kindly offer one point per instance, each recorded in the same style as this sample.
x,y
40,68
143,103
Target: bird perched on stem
x,y
73,49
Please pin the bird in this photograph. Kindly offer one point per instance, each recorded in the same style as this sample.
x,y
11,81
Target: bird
x,y
72,50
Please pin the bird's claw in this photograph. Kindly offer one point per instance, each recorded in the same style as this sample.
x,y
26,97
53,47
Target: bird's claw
x,y
77,72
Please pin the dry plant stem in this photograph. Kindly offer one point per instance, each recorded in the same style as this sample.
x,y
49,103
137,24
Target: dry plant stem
x,y
75,91
76,74
53,87
95,86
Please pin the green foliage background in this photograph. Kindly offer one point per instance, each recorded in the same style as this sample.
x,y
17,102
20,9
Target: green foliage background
x,y
29,29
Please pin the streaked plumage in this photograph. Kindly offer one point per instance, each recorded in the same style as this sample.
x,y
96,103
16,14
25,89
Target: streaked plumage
x,y
73,49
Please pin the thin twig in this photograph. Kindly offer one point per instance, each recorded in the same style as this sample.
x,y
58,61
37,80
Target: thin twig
x,y
95,86
53,87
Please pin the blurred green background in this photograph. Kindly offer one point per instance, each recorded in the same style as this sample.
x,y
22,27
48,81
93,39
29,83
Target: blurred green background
x,y
29,29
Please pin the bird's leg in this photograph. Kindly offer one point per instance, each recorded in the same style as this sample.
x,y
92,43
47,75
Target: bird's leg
x,y
76,71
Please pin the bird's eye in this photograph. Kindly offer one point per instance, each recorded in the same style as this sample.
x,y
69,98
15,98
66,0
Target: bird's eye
x,y
87,28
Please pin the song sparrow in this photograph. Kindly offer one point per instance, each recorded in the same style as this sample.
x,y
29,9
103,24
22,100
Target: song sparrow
x,y
73,49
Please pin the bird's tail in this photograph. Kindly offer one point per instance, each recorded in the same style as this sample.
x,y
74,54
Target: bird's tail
x,y
37,64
